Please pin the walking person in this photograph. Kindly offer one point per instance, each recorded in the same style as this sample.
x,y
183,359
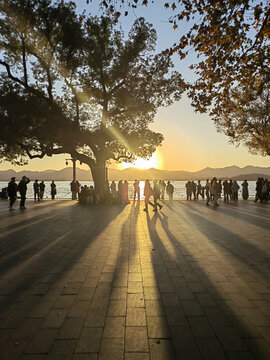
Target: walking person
x,y
199,189
12,192
156,193
193,189
36,190
235,188
209,195
169,191
226,191
207,189
148,192
230,189
125,192
22,188
113,189
259,184
219,188
162,189
215,191
53,190
245,193
188,190
41,189
77,188
136,188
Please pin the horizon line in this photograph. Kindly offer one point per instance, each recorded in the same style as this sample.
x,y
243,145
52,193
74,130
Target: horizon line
x,y
141,169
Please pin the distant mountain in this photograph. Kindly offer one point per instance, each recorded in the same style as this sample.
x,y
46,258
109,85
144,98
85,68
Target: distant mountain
x,y
247,172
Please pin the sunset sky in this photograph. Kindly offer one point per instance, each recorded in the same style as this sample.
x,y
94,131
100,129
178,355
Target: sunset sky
x,y
191,140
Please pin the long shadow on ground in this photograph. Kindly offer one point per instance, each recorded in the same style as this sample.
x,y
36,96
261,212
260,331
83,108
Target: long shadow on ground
x,y
224,322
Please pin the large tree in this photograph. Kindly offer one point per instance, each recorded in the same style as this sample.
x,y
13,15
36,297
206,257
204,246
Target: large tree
x,y
74,84
247,124
231,41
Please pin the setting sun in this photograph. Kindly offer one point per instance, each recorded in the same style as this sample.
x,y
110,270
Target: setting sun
x,y
140,163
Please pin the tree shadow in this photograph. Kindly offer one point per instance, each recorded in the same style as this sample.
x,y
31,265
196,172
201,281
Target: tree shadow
x,y
178,254
49,247
236,245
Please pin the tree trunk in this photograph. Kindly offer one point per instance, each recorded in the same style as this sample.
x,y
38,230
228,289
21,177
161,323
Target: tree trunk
x,y
98,174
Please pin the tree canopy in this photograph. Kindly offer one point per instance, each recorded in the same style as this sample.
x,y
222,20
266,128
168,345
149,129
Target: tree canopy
x,y
75,84
231,41
248,124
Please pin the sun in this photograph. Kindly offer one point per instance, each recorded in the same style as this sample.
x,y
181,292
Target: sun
x,y
140,163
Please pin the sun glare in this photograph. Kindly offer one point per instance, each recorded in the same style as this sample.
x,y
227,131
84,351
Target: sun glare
x,y
140,163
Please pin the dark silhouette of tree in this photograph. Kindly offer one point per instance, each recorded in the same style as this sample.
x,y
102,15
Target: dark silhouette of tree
x,y
231,41
74,84
248,124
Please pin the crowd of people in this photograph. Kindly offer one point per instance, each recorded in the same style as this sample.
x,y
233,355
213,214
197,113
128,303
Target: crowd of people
x,y
118,193
212,190
13,189
114,193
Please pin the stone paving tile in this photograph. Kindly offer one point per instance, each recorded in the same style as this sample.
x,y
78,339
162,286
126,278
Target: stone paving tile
x,y
135,317
79,308
136,356
71,328
211,348
118,293
185,283
27,329
85,356
136,339
117,308
64,302
114,327
62,349
161,349
42,341
157,327
54,319
229,338
89,340
111,349
135,300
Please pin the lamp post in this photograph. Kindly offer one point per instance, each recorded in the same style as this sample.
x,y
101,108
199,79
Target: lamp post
x,y
74,195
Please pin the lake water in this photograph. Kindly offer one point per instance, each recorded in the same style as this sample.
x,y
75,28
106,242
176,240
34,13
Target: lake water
x,y
63,189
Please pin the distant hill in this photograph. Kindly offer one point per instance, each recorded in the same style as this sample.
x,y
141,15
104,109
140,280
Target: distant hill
x,y
248,172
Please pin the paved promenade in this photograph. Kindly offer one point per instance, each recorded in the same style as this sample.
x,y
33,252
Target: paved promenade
x,y
115,283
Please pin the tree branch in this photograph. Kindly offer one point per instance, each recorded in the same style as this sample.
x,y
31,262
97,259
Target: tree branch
x,y
83,158
259,33
116,87
24,61
44,151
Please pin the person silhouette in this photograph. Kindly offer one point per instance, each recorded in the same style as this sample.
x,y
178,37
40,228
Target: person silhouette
x,y
148,192
136,188
169,191
12,192
53,190
156,193
245,193
41,189
235,188
125,192
226,186
22,188
36,190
